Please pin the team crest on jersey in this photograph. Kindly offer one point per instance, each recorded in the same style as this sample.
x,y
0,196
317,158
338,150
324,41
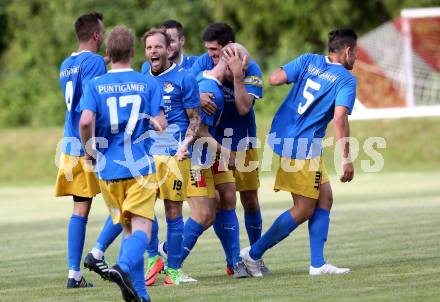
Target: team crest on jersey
x,y
168,87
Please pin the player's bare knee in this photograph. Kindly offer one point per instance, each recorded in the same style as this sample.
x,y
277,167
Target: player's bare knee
x,y
81,206
228,200
173,209
249,200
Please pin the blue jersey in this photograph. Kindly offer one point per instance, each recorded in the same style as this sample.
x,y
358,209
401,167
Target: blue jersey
x,y
210,84
123,101
75,72
302,118
180,92
186,62
242,126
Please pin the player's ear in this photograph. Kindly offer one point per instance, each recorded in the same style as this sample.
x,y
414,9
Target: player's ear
x,y
182,40
132,52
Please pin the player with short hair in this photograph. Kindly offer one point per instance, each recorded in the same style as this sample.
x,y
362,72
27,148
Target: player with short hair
x,y
117,109
175,30
240,92
171,149
324,90
74,178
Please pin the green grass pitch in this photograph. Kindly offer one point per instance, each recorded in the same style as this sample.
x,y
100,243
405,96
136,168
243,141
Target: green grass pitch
x,y
386,227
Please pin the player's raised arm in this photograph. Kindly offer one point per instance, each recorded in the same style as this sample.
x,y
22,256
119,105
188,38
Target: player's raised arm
x,y
342,133
278,77
238,58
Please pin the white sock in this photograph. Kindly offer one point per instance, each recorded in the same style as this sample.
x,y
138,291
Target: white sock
x,y
77,275
97,254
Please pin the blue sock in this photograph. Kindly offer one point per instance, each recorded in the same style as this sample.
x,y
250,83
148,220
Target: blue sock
x,y
108,234
280,229
231,231
137,276
76,235
191,233
174,241
254,225
133,250
318,231
121,249
218,228
153,245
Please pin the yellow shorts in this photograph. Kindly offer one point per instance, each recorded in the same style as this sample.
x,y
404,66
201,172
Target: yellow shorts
x,y
75,178
172,186
128,196
201,183
220,173
301,176
246,180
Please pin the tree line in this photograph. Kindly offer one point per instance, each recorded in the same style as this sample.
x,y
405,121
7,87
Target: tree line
x,y
37,35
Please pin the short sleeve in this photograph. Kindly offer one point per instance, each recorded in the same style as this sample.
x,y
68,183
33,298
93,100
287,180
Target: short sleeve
x,y
145,68
88,101
253,80
346,95
293,68
92,67
201,64
207,119
156,101
191,96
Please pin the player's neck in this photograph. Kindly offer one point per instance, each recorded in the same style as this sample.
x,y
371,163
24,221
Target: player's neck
x,y
168,64
334,58
178,59
88,46
218,71
119,65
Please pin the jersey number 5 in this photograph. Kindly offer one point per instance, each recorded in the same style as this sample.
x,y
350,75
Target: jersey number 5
x,y
123,102
308,95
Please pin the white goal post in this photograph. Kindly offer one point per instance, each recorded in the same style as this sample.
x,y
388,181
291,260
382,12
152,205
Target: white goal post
x,y
398,67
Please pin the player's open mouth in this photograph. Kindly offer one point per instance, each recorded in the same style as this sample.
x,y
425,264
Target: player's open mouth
x,y
155,59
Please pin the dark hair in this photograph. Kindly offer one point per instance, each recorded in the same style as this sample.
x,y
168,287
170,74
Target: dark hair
x,y
86,25
173,24
154,31
220,32
339,39
120,43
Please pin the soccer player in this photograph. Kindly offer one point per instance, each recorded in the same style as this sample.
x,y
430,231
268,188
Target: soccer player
x,y
117,109
240,92
175,30
171,151
74,179
201,189
323,90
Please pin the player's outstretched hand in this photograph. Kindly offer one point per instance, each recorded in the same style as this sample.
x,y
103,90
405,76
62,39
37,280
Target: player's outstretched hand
x,y
182,152
348,172
207,102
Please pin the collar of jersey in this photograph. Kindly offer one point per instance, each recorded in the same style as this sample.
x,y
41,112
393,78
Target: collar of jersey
x,y
120,70
165,71
182,58
327,60
207,76
74,54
